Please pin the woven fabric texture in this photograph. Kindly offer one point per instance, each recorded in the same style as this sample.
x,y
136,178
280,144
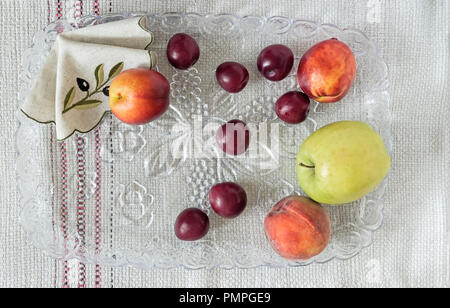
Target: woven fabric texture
x,y
410,250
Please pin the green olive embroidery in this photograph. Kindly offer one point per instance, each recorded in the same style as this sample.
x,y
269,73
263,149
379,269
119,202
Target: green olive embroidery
x,y
84,86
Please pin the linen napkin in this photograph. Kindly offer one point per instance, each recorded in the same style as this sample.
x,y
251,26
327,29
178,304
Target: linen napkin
x,y
72,88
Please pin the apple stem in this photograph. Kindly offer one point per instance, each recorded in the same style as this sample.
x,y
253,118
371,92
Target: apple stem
x,y
306,166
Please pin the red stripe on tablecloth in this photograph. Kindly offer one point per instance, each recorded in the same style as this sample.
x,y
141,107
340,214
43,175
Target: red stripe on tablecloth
x,y
59,9
111,218
81,205
98,187
96,7
112,180
64,213
98,205
63,165
81,183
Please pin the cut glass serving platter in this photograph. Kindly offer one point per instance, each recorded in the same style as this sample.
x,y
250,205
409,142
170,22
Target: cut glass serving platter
x,y
111,196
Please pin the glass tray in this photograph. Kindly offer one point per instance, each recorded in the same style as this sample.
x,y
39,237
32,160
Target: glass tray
x,y
111,196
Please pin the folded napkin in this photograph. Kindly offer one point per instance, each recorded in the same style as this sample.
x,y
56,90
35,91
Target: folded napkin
x,y
72,88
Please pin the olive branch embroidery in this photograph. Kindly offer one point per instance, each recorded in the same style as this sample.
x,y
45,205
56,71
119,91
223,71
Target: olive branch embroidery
x,y
83,85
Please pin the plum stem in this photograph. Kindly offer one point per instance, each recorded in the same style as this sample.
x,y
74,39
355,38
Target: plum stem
x,y
306,166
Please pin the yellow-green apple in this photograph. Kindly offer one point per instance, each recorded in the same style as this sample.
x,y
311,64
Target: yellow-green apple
x,y
298,228
342,162
138,96
327,71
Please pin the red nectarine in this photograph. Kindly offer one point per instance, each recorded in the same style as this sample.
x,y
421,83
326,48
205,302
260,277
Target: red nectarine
x,y
138,96
298,228
327,71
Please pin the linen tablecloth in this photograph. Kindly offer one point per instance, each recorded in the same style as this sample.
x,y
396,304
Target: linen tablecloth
x,y
410,250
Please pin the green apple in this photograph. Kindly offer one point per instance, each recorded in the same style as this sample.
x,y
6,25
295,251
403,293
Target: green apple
x,y
342,162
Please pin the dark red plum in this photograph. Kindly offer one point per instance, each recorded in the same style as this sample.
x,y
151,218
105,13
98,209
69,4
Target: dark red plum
x,y
192,224
233,137
232,76
228,199
182,51
275,62
293,107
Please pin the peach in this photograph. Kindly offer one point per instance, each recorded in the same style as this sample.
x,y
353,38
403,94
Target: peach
x,y
327,71
297,228
138,96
